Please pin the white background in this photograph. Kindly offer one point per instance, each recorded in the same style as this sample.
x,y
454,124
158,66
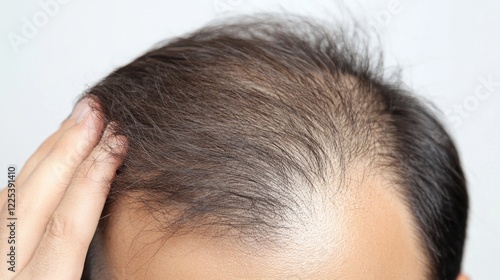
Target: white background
x,y
447,50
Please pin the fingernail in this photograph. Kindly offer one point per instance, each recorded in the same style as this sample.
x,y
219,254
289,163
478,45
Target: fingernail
x,y
81,110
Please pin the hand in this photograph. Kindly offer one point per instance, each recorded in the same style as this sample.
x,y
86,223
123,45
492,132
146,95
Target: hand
x,y
59,196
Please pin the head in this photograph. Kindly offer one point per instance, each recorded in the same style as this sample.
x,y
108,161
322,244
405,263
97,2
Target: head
x,y
265,148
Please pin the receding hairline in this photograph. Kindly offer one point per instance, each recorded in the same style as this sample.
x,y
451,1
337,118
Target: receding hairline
x,y
353,65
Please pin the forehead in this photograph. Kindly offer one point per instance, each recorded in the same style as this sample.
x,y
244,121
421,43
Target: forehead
x,y
366,234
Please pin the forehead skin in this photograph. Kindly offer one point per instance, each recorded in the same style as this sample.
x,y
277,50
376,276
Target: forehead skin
x,y
366,234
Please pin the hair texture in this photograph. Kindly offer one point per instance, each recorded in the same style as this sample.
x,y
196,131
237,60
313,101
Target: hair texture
x,y
235,124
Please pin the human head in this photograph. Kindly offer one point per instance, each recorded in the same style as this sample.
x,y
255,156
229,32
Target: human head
x,y
258,133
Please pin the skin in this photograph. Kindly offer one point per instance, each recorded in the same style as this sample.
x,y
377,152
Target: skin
x,y
60,194
367,234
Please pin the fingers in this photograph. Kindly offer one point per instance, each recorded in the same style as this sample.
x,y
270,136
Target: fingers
x,y
44,188
43,150
71,227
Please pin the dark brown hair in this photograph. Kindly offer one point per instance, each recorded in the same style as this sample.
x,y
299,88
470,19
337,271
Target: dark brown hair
x,y
236,121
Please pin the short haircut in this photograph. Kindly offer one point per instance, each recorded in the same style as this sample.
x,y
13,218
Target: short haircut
x,y
231,123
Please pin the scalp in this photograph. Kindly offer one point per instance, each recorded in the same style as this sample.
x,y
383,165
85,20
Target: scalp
x,y
242,126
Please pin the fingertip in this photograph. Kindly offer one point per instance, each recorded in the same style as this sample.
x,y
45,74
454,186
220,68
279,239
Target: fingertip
x,y
117,144
78,112
81,110
120,145
90,119
81,136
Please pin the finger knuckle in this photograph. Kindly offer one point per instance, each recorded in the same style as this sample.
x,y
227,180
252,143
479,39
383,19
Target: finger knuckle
x,y
94,169
73,148
59,227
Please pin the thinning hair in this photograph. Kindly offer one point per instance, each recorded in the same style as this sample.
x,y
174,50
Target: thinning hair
x,y
232,124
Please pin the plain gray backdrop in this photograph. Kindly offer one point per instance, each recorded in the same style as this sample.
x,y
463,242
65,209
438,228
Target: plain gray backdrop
x,y
449,51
